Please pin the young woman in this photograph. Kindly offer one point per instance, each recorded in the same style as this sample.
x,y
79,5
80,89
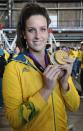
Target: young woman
x,y
37,93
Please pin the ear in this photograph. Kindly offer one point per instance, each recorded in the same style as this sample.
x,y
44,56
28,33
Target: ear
x,y
49,30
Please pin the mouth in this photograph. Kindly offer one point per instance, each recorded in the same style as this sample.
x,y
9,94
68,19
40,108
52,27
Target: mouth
x,y
38,43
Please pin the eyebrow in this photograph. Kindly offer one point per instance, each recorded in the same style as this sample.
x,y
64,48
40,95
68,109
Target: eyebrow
x,y
34,27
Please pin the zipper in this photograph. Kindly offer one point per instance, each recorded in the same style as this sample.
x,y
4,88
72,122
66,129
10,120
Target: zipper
x,y
53,111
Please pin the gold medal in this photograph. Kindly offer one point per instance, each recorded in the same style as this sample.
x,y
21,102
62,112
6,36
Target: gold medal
x,y
61,57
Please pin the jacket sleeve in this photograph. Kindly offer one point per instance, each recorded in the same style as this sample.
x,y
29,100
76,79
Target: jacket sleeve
x,y
71,97
18,112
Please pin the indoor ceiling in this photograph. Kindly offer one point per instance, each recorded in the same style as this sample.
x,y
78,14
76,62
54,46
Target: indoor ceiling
x,y
5,1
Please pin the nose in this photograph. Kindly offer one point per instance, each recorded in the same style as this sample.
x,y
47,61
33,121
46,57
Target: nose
x,y
37,34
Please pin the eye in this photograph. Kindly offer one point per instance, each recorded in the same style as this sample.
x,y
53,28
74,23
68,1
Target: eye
x,y
43,29
31,30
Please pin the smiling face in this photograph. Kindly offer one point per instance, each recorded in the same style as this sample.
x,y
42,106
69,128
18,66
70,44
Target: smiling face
x,y
36,33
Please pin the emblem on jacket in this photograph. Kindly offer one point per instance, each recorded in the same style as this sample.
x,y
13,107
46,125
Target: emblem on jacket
x,y
25,69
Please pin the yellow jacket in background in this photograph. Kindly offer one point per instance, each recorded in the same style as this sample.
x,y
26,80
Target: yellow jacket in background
x,y
26,109
6,55
73,53
81,57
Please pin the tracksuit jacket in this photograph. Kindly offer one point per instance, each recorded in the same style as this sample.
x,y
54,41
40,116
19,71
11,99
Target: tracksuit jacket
x,y
25,108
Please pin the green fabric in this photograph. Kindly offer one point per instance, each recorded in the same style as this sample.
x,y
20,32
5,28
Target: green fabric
x,y
34,111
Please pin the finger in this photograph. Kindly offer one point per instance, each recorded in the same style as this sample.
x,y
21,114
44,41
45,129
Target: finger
x,y
47,69
52,72
69,60
50,68
56,75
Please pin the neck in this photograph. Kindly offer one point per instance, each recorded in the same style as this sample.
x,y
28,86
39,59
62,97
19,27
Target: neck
x,y
40,57
38,54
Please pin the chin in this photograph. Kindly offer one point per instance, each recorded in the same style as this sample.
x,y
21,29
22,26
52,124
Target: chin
x,y
39,49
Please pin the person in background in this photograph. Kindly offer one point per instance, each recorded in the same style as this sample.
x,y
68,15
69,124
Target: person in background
x,y
78,62
81,73
36,93
1,45
7,54
17,50
74,54
48,48
2,67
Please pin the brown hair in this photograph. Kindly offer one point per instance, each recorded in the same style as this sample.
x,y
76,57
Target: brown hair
x,y
29,10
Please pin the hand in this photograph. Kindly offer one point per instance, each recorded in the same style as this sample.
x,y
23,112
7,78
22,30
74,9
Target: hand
x,y
65,73
50,76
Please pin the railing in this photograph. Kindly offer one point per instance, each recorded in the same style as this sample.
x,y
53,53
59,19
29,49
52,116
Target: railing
x,y
6,40
8,36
